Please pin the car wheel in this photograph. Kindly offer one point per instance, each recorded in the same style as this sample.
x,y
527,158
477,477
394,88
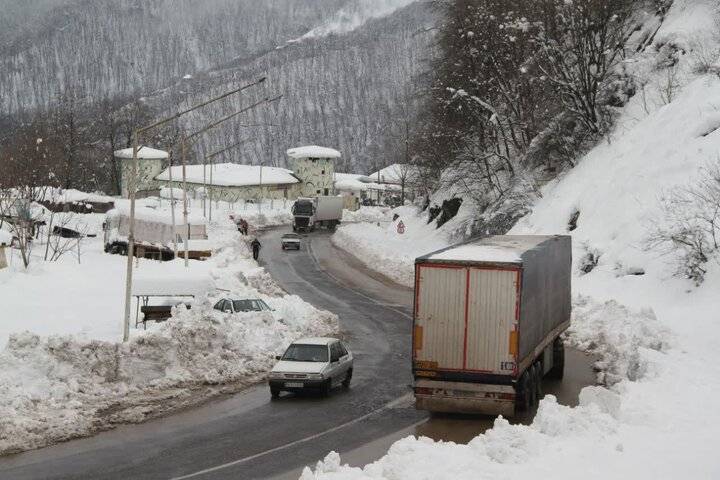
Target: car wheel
x,y
325,390
274,393
348,378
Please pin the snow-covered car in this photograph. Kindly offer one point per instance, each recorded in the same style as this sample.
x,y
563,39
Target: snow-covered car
x,y
312,364
290,240
233,305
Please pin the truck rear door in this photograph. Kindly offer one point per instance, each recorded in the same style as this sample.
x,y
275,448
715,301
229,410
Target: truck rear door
x,y
466,319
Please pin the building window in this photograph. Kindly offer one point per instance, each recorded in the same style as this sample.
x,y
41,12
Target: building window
x,y
318,192
322,172
327,191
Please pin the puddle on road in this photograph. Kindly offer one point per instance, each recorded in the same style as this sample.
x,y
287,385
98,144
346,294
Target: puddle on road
x,y
463,428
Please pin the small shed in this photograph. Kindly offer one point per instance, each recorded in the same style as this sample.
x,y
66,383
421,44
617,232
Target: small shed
x,y
5,241
156,294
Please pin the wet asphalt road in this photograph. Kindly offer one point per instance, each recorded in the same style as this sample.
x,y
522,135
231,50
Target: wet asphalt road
x,y
248,436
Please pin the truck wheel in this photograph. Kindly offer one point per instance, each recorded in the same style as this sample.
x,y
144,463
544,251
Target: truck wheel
x,y
274,393
537,368
294,228
522,390
558,369
532,389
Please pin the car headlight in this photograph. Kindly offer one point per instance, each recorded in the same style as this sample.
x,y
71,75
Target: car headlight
x,y
275,375
315,376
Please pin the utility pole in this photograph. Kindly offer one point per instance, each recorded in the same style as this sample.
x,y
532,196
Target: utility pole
x,y
186,229
172,205
209,127
133,187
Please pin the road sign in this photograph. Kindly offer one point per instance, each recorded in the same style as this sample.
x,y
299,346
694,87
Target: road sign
x,y
401,227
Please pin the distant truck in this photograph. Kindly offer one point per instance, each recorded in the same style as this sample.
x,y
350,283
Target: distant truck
x,y
487,320
310,213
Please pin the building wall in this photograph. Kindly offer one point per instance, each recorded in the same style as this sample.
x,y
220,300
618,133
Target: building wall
x,y
317,175
236,194
147,171
3,258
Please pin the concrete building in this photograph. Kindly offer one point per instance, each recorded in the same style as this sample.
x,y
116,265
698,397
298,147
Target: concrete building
x,y
315,167
312,174
232,182
150,163
403,176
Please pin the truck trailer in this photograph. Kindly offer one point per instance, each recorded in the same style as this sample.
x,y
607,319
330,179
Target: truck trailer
x,y
323,211
487,320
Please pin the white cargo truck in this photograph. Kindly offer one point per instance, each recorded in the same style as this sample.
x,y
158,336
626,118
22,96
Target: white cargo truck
x,y
487,320
154,234
323,211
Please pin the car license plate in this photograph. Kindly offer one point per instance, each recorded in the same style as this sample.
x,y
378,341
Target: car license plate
x,y
294,384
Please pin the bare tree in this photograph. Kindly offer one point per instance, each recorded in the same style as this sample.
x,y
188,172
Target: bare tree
x,y
690,227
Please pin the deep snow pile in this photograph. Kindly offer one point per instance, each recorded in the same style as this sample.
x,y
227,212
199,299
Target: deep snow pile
x,y
382,248
64,374
367,214
655,414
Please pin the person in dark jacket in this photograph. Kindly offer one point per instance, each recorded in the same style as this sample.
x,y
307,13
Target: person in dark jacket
x,y
255,244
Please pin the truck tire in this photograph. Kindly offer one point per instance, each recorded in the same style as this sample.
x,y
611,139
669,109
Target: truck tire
x,y
538,381
274,393
522,392
558,369
532,388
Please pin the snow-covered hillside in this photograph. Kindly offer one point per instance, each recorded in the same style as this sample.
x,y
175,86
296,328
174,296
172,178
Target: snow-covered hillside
x,y
655,413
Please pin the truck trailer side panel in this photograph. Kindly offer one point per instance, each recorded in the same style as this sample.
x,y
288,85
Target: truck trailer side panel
x,y
546,296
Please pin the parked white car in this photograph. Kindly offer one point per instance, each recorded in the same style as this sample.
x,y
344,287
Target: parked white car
x,y
312,364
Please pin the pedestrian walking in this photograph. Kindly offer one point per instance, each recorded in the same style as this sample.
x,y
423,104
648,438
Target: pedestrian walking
x,y
255,244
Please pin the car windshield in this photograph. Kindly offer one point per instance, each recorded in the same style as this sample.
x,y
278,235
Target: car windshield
x,y
249,305
290,236
306,353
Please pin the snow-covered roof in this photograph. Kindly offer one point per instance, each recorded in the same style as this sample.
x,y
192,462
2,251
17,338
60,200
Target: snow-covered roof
x,y
146,153
313,151
5,238
70,195
497,249
158,215
170,283
394,173
314,340
351,181
231,175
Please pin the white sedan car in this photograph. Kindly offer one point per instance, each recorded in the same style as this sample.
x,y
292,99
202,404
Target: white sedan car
x,y
312,364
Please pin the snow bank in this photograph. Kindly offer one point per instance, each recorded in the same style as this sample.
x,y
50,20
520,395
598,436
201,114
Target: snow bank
x,y
618,335
367,214
59,387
